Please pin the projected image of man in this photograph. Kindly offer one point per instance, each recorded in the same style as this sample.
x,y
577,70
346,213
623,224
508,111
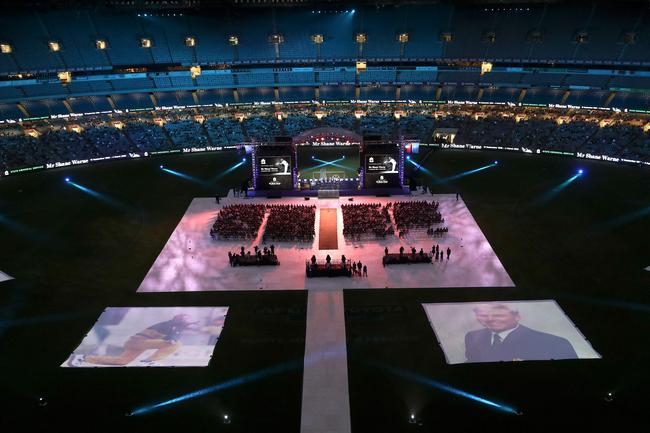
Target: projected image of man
x,y
164,337
393,164
285,166
504,338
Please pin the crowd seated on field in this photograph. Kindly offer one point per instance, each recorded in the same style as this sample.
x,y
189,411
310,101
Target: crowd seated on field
x,y
366,220
290,223
421,214
238,221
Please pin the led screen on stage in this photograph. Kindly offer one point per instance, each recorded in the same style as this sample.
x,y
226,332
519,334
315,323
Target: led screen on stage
x,y
506,331
151,337
382,171
274,172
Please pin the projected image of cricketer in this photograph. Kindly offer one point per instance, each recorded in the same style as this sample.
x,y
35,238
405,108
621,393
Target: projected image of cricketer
x,y
503,338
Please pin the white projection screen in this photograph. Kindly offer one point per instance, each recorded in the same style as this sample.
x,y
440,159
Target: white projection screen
x,y
151,337
506,331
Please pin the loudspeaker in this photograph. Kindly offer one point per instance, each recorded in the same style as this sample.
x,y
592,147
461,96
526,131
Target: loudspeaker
x,y
351,199
306,198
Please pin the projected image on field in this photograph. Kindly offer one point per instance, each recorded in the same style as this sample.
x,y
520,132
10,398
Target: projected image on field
x,y
328,163
506,331
151,337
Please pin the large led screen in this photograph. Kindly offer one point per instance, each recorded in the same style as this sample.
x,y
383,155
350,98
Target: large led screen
x,y
274,172
382,171
506,331
151,337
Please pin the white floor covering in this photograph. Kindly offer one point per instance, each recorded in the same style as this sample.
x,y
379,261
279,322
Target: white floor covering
x,y
4,277
325,394
192,261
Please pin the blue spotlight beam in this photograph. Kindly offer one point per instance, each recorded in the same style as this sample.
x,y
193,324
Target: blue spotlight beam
x,y
467,173
330,352
228,170
448,388
241,380
419,167
183,175
549,195
334,163
99,196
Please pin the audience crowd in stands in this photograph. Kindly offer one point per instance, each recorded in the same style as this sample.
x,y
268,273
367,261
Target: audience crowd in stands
x,y
622,135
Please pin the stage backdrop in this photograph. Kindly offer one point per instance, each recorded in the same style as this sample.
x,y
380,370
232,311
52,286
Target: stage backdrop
x,y
506,331
151,337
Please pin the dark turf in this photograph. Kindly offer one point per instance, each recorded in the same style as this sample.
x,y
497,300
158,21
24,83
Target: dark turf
x,y
74,255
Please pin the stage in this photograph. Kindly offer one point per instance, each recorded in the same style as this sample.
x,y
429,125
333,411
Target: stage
x,y
192,261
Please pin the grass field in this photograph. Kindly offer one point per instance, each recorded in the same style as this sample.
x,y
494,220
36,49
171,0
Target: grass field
x,y
73,255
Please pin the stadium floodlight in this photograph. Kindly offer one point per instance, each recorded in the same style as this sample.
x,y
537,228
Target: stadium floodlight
x,y
446,37
226,419
317,38
233,40
361,38
486,67
190,41
146,43
353,11
54,46
403,38
65,77
412,419
195,71
276,38
101,44
6,48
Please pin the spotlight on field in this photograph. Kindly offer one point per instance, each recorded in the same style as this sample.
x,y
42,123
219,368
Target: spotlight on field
x,y
547,196
447,388
98,195
467,173
418,166
183,175
231,383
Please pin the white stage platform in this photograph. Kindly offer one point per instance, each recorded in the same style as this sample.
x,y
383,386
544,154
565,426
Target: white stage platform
x,y
192,261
